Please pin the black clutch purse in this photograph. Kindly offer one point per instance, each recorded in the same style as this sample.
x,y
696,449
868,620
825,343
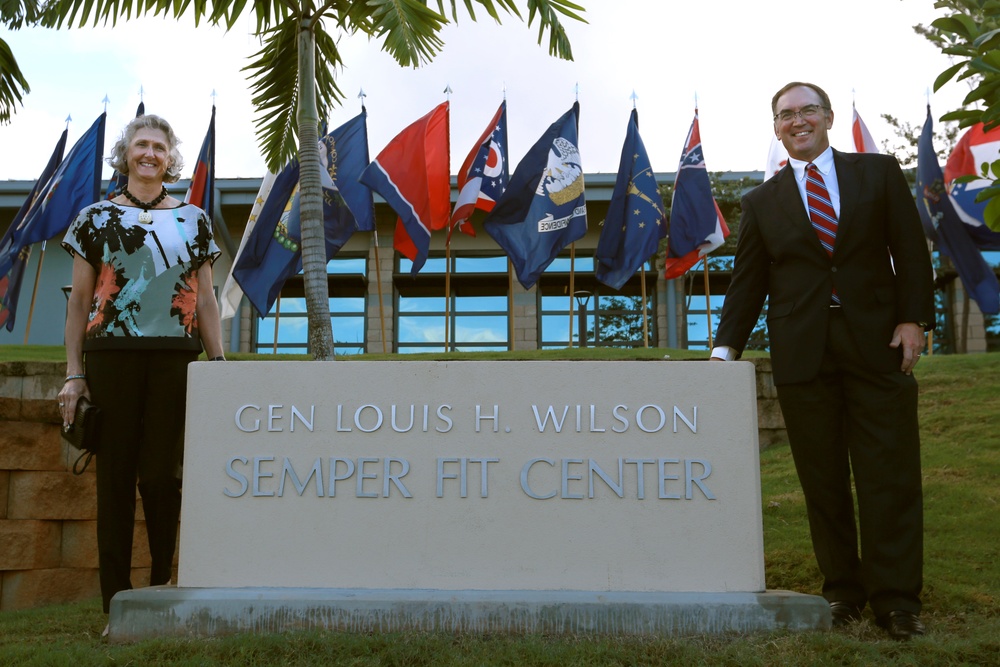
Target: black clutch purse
x,y
82,433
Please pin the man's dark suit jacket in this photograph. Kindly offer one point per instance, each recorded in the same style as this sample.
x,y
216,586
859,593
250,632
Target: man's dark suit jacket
x,y
880,267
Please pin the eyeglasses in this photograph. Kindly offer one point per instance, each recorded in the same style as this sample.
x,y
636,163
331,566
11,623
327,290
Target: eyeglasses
x,y
808,112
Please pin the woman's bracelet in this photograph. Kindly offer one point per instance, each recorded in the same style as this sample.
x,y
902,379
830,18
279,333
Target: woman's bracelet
x,y
74,377
219,358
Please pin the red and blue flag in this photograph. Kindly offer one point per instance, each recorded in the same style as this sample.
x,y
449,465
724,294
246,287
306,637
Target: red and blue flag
x,y
974,148
484,174
412,173
696,223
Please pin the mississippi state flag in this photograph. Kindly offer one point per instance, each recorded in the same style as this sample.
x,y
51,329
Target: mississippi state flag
x,y
201,192
696,223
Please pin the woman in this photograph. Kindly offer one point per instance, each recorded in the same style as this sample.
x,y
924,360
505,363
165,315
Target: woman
x,y
141,308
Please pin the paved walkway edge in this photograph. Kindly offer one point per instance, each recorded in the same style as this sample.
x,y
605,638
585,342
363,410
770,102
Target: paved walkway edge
x,y
207,612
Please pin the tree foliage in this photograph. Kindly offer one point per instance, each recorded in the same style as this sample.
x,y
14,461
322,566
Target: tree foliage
x,y
970,33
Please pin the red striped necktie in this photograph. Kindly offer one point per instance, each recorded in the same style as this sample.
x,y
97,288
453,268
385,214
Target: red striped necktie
x,y
821,213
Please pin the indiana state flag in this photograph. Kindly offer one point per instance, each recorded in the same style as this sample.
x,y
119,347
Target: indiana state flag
x,y
484,175
10,280
272,253
943,225
543,209
201,192
696,223
412,175
635,223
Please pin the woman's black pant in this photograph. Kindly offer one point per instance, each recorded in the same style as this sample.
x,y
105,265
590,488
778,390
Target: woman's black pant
x,y
142,397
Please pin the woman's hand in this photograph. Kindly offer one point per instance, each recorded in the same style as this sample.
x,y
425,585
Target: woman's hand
x,y
70,393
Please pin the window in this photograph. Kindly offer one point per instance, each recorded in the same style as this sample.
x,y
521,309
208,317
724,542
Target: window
x,y
606,317
475,318
285,329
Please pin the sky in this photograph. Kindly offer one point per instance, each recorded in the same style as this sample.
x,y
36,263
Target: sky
x,y
726,56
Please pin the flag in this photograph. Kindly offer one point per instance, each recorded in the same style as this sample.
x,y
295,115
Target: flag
x,y
76,183
635,222
119,180
201,191
483,176
412,175
953,238
543,209
232,293
777,157
270,253
863,142
696,223
973,149
10,280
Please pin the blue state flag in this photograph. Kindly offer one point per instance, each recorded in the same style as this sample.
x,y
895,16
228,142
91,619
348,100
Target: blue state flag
x,y
938,214
75,184
635,222
543,209
10,280
273,253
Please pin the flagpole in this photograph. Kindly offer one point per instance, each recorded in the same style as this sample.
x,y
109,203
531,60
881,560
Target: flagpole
x,y
34,292
510,302
708,305
277,316
447,289
378,285
645,314
572,287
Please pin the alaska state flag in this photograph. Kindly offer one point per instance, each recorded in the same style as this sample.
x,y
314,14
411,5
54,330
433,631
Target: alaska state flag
x,y
696,223
412,173
271,253
76,183
952,235
119,180
201,192
973,149
635,222
10,280
543,209
483,176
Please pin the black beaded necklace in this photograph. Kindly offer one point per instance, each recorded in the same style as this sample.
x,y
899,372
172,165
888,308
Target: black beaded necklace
x,y
145,216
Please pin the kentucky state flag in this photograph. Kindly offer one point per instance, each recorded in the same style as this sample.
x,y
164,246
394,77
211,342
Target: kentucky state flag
x,y
201,192
483,176
951,235
272,253
412,175
10,280
635,222
696,223
543,209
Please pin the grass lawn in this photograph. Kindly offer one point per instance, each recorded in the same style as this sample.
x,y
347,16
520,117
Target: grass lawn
x,y
961,462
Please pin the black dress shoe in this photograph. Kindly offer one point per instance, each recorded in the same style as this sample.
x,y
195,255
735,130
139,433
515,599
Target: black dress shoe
x,y
901,624
844,613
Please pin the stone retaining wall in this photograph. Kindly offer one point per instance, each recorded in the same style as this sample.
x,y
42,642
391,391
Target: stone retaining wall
x,y
48,537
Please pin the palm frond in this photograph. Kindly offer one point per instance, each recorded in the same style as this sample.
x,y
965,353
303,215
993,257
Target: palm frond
x,y
272,76
409,28
12,83
548,14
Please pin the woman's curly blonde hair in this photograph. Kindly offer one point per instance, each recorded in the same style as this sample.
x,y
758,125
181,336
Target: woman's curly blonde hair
x,y
119,152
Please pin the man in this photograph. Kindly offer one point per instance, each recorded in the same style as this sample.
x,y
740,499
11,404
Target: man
x,y
840,255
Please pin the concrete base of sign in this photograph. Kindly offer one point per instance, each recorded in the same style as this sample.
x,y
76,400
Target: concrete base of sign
x,y
207,612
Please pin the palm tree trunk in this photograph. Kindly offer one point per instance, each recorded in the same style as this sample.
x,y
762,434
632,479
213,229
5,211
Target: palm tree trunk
x,y
311,201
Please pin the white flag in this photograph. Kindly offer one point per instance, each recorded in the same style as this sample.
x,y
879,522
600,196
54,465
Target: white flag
x,y
232,293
